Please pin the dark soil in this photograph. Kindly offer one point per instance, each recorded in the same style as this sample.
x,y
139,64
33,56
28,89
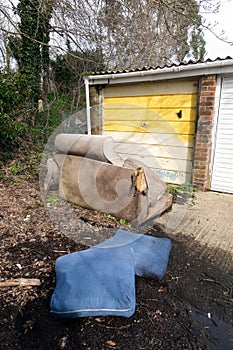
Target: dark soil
x,y
191,308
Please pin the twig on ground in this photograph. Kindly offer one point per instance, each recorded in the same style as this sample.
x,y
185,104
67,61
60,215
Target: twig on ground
x,y
21,282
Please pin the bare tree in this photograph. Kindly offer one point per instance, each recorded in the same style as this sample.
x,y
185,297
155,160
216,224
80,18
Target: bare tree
x,y
7,27
151,32
134,33
126,33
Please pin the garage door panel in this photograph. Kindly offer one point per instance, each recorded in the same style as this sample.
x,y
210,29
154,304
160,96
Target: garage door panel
x,y
225,163
159,101
222,169
162,163
225,106
225,148
229,90
226,129
221,177
156,151
224,153
228,83
164,140
180,128
152,88
121,111
222,188
227,116
225,141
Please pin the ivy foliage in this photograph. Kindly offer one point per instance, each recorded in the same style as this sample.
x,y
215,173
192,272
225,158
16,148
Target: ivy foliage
x,y
21,89
34,52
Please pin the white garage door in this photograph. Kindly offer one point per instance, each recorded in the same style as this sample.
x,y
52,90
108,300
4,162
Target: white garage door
x,y
222,170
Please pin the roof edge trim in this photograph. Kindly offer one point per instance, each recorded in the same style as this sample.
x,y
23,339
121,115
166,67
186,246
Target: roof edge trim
x,y
182,71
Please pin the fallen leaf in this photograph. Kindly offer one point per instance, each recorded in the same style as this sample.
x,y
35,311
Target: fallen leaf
x,y
110,343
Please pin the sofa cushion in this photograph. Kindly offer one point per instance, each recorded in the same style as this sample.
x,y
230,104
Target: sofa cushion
x,y
95,282
151,254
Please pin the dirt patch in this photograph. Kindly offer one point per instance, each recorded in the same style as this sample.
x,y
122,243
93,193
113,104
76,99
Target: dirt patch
x,y
191,308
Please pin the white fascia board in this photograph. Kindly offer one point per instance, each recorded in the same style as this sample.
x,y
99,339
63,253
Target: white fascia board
x,y
191,70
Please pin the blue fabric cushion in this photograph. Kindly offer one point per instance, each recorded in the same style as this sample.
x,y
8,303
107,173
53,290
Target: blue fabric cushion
x,y
151,254
95,282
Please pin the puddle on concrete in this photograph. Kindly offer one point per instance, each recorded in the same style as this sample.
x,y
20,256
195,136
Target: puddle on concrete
x,y
219,335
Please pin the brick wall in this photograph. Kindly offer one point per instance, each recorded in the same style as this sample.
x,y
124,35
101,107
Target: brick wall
x,y
204,133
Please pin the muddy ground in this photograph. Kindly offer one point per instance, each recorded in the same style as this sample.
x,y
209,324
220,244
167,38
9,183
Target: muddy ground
x,y
191,308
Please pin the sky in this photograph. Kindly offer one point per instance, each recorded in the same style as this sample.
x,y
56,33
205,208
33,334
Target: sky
x,y
215,47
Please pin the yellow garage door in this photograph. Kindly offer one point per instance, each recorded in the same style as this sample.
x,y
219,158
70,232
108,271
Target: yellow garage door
x,y
154,123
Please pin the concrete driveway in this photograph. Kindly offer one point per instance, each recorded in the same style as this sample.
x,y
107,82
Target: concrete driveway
x,y
205,223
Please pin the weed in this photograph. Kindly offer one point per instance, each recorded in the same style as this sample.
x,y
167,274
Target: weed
x,y
185,187
172,189
110,217
17,168
176,278
53,199
113,218
14,181
122,221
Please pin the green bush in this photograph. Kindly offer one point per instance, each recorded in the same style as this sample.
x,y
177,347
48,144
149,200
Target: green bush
x,y
21,124
15,109
10,132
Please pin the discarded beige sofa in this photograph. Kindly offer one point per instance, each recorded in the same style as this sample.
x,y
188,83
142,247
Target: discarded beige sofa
x,y
91,174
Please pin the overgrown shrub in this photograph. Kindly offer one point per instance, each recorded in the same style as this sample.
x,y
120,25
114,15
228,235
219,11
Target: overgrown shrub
x,y
15,109
21,125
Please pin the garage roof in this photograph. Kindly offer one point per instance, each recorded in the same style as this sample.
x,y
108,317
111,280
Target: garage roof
x,y
172,71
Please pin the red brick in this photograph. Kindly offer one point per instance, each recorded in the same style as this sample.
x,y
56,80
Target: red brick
x,y
202,151
202,167
209,77
205,111
200,173
208,117
207,83
211,88
207,93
